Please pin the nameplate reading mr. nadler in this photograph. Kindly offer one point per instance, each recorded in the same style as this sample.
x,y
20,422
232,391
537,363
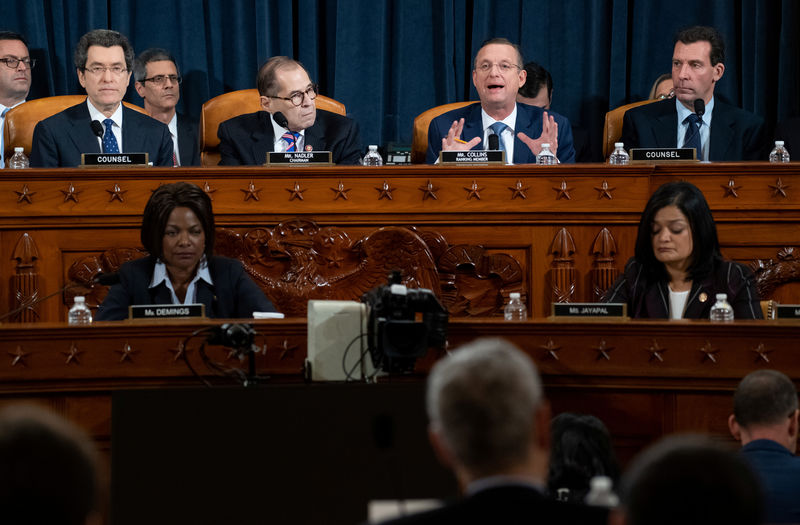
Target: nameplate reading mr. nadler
x,y
166,311
299,158
662,154
787,311
618,310
114,159
473,157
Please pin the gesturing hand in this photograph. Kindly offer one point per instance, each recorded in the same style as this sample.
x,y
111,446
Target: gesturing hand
x,y
452,142
549,136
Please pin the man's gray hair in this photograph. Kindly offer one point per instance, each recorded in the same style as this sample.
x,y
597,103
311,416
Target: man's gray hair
x,y
154,54
267,78
102,38
764,397
482,400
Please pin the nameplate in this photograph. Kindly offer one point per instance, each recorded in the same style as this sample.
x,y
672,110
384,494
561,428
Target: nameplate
x,y
299,158
166,311
114,159
787,311
662,154
473,157
606,310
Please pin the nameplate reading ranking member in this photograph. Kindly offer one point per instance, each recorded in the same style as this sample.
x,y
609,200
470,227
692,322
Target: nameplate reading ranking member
x,y
481,157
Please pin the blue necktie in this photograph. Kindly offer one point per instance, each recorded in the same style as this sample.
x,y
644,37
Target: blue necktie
x,y
2,138
692,137
109,140
291,140
499,128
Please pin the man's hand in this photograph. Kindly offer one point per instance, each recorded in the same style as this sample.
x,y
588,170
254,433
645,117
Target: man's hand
x,y
452,142
549,136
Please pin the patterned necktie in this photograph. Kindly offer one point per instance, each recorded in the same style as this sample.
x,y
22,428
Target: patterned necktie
x,y
692,137
499,128
291,140
2,138
109,140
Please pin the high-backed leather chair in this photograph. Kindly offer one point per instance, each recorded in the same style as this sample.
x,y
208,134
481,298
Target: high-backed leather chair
x,y
419,143
612,130
21,120
235,103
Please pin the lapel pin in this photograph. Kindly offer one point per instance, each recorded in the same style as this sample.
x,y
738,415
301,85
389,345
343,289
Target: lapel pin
x,y
703,297
309,148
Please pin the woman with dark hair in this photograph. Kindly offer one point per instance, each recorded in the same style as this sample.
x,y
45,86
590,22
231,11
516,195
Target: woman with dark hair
x,y
178,232
678,269
581,450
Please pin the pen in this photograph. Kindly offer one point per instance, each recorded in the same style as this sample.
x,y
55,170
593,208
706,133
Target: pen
x,y
461,141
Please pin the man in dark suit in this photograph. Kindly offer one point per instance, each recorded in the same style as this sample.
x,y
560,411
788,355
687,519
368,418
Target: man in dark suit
x,y
286,89
723,133
158,83
765,420
15,76
489,423
521,129
103,61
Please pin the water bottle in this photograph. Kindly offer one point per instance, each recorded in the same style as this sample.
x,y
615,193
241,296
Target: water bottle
x,y
80,313
601,493
372,158
722,310
619,156
779,153
18,160
515,309
546,157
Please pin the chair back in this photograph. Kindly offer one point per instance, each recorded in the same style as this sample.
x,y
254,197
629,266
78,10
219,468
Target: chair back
x,y
419,143
20,121
233,104
612,130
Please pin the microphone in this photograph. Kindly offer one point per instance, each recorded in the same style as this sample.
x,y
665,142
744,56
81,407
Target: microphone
x,y
104,279
97,129
494,142
280,118
699,107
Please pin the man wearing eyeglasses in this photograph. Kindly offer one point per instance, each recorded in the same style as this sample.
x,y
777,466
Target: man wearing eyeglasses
x,y
158,83
285,87
103,61
15,77
521,129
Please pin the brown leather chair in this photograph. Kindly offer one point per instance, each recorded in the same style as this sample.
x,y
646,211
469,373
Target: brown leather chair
x,y
613,126
419,143
21,120
235,103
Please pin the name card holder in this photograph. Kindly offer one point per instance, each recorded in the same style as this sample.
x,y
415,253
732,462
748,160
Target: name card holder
x,y
299,158
474,157
787,311
166,311
663,155
589,310
117,160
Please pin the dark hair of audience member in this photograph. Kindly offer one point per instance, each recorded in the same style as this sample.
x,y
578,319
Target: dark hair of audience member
x,y
538,77
764,397
158,209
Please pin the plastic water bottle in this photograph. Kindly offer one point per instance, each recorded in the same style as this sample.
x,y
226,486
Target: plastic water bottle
x,y
546,157
779,153
619,156
722,310
80,313
601,493
515,309
372,158
18,160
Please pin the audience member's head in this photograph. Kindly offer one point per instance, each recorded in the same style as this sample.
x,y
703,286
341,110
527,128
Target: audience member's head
x,y
48,469
581,449
15,73
698,62
487,413
498,75
157,79
765,407
688,480
538,88
662,88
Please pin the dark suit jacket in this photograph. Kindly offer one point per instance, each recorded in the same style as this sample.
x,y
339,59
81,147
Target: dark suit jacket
x,y
651,299
233,295
789,132
779,473
246,139
735,134
507,505
188,141
529,121
58,141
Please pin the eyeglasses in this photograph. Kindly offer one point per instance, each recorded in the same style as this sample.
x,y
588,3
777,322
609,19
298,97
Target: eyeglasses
x,y
99,70
159,80
505,67
13,63
297,97
664,96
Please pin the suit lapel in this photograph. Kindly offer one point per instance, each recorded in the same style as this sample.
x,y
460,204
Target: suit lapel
x,y
698,299
81,134
721,133
315,136
205,295
473,126
529,121
160,294
263,139
665,127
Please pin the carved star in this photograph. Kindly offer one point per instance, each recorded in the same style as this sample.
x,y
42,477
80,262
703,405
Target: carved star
x,y
116,193
474,191
563,191
385,191
604,191
603,350
126,354
552,348
762,353
656,352
519,191
209,190
429,191
251,192
25,195
340,191
335,261
286,349
73,356
71,193
19,356
296,192
179,350
709,353
779,188
731,189
329,239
